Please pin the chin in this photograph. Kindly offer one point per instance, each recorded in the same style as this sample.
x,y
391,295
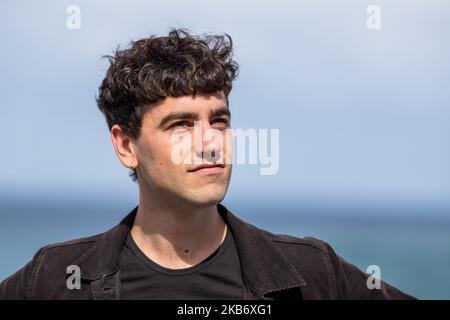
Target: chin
x,y
204,200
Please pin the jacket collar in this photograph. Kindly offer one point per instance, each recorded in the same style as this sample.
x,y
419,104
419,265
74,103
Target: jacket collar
x,y
264,267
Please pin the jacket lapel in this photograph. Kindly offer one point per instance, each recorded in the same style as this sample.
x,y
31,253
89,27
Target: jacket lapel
x,y
265,269
101,266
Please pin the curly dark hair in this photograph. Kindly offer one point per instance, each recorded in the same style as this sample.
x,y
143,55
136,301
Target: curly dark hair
x,y
154,68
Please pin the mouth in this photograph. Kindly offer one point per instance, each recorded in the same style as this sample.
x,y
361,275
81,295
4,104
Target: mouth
x,y
208,169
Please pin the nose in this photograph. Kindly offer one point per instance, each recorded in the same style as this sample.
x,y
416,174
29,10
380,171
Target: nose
x,y
207,142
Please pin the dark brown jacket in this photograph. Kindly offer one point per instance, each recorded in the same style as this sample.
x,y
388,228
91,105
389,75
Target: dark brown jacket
x,y
273,266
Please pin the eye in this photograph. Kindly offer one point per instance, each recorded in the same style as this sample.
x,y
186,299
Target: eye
x,y
180,124
221,120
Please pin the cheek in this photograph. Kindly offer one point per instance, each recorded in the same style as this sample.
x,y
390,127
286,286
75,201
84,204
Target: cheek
x,y
162,162
146,153
150,155
159,166
228,147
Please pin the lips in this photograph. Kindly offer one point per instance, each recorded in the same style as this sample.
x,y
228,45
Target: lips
x,y
208,168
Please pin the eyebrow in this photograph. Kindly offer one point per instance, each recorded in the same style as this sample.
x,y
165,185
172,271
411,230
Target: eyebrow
x,y
193,115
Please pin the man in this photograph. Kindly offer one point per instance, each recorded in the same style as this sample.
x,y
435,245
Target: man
x,y
180,242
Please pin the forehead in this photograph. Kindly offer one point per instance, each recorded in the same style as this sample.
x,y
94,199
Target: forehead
x,y
201,104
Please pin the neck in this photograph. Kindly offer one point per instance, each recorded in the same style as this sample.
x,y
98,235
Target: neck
x,y
176,235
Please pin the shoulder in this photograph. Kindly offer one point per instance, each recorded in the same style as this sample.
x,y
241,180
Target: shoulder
x,y
68,250
319,264
49,263
309,255
307,243
289,243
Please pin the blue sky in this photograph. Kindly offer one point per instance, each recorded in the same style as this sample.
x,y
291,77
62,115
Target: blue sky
x,y
363,114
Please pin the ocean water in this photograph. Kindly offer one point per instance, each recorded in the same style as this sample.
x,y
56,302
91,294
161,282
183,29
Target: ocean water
x,y
412,249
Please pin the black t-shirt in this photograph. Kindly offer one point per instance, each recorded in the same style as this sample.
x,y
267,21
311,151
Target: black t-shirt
x,y
217,277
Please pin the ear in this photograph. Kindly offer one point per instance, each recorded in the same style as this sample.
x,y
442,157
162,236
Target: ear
x,y
124,146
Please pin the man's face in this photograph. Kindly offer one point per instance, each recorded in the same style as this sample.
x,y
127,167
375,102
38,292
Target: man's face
x,y
182,126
